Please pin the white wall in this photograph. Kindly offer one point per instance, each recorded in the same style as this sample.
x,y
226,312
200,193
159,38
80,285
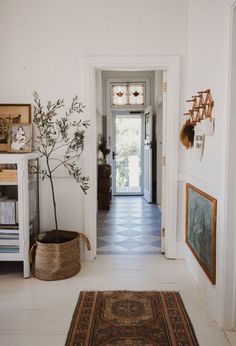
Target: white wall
x,y
43,44
207,60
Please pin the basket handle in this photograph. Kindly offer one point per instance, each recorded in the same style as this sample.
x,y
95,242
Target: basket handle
x,y
32,253
85,239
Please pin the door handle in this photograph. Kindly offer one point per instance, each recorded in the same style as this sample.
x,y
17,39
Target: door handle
x,y
150,144
114,155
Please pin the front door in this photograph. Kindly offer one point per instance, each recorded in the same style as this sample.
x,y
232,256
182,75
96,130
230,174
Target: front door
x,y
148,121
127,154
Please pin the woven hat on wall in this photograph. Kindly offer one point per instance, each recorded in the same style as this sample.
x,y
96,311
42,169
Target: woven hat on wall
x,y
187,134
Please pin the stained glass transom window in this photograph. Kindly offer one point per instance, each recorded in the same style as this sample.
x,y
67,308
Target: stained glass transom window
x,y
119,95
136,94
128,94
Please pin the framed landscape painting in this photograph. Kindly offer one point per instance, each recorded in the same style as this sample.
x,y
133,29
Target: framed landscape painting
x,y
201,229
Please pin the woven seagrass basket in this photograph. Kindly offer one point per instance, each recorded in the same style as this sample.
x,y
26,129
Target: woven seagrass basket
x,y
56,255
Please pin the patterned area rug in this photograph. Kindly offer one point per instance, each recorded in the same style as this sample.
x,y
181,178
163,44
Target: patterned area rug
x,y
121,318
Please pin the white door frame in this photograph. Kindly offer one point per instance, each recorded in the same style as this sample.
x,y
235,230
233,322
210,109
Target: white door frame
x,y
228,283
131,63
164,154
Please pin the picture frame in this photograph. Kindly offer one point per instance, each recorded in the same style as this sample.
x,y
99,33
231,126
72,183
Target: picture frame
x,y
200,229
20,138
12,114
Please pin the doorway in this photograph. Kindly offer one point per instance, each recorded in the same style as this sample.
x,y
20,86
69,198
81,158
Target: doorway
x,y
157,63
127,153
128,219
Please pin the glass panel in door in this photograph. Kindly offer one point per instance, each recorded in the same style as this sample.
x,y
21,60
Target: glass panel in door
x,y
128,154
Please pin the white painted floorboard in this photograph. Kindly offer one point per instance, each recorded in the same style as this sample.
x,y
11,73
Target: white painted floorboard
x,y
36,313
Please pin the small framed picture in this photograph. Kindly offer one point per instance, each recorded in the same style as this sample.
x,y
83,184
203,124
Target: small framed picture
x,y
20,139
11,114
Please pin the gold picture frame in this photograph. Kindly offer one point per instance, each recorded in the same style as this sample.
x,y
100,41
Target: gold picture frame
x,y
12,114
200,231
20,138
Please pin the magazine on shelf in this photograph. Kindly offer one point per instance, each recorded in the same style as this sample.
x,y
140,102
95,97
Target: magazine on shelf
x,y
9,235
9,242
8,248
9,228
8,212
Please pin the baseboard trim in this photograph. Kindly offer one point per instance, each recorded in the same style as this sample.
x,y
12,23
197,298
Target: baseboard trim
x,y
180,249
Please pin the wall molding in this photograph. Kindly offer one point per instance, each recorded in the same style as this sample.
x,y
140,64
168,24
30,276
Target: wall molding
x,y
199,182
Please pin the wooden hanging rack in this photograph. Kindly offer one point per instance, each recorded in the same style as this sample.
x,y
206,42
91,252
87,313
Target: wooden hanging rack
x,y
202,106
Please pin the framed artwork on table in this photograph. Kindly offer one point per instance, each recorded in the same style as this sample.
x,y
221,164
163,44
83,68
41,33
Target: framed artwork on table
x,y
20,138
11,114
200,230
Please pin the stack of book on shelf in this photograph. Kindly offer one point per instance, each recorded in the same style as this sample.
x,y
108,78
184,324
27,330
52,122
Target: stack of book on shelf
x,y
8,175
8,211
9,232
9,239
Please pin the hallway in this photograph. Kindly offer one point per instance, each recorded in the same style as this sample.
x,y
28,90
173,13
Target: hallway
x,y
131,226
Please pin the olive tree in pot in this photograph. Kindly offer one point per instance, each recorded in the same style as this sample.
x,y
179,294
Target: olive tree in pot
x,y
60,142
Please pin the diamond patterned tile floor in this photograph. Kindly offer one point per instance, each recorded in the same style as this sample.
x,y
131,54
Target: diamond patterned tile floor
x,y
131,226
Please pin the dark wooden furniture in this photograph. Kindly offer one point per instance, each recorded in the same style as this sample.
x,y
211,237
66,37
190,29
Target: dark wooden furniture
x,y
104,187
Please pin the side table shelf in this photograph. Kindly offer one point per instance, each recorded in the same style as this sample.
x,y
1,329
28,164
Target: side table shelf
x,y
19,207
104,187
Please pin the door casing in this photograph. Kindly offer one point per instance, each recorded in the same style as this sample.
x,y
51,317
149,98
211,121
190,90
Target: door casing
x,y
227,286
171,64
